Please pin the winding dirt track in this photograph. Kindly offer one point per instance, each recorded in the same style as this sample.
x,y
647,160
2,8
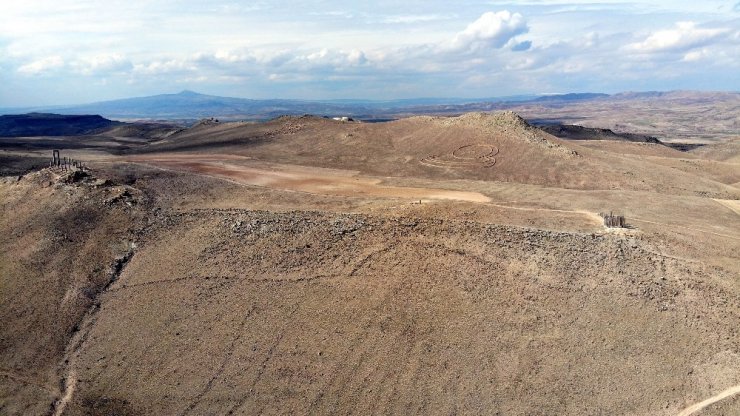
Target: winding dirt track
x,y
714,399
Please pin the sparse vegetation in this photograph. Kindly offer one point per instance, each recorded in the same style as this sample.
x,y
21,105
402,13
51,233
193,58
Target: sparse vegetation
x,y
295,266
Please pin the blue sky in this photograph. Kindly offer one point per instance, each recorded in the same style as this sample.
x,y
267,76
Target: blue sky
x,y
76,51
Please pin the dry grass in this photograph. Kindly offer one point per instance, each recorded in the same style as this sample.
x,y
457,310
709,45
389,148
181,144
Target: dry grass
x,y
289,267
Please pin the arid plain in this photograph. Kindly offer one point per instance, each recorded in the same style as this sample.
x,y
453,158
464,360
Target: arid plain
x,y
427,265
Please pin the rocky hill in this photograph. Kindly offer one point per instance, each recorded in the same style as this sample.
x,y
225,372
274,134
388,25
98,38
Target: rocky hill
x,y
573,132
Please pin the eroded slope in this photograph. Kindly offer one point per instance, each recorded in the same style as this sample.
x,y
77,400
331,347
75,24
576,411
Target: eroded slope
x,y
60,238
248,312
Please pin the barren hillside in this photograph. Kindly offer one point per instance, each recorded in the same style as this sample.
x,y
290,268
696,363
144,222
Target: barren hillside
x,y
483,146
427,265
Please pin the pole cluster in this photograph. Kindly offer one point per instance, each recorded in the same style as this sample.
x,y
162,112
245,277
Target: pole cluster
x,y
613,221
64,163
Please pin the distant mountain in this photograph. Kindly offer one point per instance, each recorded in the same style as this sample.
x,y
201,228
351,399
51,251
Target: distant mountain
x,y
192,105
189,105
45,124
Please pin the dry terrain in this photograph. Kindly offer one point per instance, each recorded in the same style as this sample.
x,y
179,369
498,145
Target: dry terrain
x,y
673,117
429,265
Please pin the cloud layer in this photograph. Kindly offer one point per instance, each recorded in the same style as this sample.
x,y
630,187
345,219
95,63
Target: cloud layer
x,y
491,30
79,50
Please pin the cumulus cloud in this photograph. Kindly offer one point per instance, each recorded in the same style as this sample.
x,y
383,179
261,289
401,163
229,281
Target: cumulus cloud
x,y
239,65
696,55
165,67
684,37
103,64
491,30
356,57
324,60
42,66
277,48
223,59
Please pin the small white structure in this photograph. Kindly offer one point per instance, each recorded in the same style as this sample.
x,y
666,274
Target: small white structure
x,y
345,118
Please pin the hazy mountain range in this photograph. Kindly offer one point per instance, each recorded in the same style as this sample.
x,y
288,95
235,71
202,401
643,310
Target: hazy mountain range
x,y
188,105
192,105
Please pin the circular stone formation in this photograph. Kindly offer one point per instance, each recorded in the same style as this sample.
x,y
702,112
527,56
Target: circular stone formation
x,y
478,155
474,151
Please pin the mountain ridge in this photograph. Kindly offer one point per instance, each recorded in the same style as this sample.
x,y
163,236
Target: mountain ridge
x,y
188,104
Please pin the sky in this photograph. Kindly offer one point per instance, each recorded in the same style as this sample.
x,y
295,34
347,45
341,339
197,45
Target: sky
x,y
80,51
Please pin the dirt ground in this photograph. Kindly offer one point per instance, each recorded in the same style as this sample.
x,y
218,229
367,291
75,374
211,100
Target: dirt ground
x,y
306,266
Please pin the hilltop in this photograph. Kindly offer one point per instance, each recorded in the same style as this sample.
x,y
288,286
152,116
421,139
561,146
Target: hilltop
x,y
497,146
695,116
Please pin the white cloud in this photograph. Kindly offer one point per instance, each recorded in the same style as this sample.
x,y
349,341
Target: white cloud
x,y
42,66
491,30
103,64
414,18
684,37
356,57
398,49
696,55
165,67
222,58
323,60
289,77
231,56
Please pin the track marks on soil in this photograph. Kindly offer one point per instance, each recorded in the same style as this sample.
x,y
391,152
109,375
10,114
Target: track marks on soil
x,y
261,368
714,399
685,228
164,282
225,360
347,368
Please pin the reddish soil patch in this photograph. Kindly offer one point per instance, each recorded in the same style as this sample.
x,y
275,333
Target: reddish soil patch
x,y
304,179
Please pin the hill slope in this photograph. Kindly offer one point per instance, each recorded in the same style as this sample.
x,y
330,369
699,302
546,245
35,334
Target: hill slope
x,y
573,132
482,146
430,265
305,311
